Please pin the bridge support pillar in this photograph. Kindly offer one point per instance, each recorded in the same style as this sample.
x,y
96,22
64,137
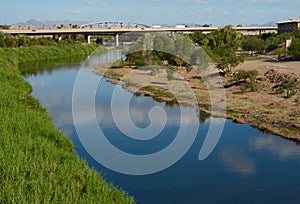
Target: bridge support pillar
x,y
88,39
117,39
172,34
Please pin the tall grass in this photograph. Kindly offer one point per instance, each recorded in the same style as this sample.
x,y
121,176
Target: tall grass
x,y
37,163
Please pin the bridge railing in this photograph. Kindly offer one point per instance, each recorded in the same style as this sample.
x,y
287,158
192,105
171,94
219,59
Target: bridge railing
x,y
114,25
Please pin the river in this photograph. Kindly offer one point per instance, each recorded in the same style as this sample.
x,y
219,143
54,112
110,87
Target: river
x,y
247,166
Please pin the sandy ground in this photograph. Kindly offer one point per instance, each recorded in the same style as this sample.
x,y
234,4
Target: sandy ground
x,y
262,109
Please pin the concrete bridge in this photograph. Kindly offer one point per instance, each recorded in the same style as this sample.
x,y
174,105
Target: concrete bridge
x,y
117,28
114,25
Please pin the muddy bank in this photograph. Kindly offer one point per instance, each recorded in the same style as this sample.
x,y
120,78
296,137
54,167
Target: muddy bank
x,y
268,109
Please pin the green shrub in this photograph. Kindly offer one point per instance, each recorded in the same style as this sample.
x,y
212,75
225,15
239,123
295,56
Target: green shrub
x,y
294,49
287,84
243,89
249,87
241,77
244,75
119,64
253,87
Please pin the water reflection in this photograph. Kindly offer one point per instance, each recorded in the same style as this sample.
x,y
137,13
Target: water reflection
x,y
283,149
235,160
203,117
54,90
247,166
48,66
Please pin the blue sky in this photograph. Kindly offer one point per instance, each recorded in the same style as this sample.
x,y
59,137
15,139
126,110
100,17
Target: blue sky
x,y
216,12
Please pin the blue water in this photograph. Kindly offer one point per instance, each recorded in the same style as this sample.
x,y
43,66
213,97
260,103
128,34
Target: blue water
x,y
247,166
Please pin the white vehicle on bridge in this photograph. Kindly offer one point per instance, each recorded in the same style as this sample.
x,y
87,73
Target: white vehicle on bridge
x,y
156,26
180,26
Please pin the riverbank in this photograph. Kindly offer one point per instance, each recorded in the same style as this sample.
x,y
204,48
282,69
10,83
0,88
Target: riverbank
x,y
37,163
264,109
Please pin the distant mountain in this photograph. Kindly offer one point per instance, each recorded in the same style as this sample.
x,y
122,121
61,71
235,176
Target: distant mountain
x,y
50,24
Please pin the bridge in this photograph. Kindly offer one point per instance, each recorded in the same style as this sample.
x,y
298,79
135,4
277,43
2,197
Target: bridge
x,y
109,25
117,28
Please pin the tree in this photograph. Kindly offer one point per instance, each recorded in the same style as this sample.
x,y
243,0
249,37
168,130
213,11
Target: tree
x,y
265,36
164,47
4,27
199,38
183,47
253,44
10,41
60,27
163,43
294,49
23,41
148,42
272,43
297,33
2,42
226,36
144,43
140,53
224,44
200,59
226,58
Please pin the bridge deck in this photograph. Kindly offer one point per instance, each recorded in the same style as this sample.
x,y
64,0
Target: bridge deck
x,y
97,31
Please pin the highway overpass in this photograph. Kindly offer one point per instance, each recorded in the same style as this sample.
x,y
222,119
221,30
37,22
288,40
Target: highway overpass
x,y
117,31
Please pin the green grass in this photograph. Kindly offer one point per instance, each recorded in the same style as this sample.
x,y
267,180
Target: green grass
x,y
24,55
119,64
159,91
251,58
37,163
160,94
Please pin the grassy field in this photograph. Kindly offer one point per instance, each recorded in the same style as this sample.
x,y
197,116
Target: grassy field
x,y
37,163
